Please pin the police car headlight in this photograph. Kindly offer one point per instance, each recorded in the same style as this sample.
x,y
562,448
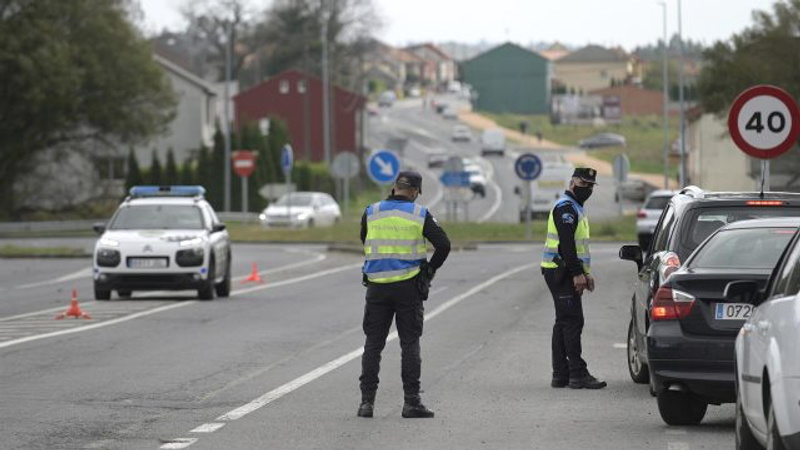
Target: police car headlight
x,y
192,257
106,242
107,257
191,242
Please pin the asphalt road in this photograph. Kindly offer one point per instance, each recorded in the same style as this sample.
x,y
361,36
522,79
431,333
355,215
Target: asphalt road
x,y
427,132
276,365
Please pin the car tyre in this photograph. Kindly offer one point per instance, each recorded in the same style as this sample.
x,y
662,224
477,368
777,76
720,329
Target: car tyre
x,y
774,440
207,291
638,370
224,287
744,436
680,408
124,294
102,294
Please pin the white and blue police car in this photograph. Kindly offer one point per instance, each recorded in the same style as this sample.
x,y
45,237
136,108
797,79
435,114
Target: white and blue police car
x,y
163,238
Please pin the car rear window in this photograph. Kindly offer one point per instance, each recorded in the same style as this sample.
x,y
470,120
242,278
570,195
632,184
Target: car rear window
x,y
658,203
701,222
747,248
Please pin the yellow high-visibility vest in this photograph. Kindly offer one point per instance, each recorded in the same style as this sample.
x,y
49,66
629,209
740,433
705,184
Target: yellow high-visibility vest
x,y
394,247
581,237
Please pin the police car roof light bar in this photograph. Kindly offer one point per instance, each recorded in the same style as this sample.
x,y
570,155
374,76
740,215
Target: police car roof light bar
x,y
167,191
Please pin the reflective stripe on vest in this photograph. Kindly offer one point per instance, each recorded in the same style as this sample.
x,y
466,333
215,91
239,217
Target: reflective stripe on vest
x,y
581,237
394,248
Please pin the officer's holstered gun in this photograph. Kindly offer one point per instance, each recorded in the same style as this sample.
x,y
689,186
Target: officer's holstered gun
x,y
560,270
426,274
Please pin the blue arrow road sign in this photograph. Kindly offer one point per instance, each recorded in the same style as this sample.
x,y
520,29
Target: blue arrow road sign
x,y
383,166
455,179
287,159
528,167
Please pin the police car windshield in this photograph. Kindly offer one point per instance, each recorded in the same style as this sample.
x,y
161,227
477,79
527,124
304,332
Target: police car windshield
x,y
753,248
297,200
158,217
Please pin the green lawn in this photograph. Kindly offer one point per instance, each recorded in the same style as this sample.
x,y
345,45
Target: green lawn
x,y
645,137
14,251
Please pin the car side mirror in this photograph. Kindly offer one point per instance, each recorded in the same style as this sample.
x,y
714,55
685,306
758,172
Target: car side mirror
x,y
218,227
632,253
745,291
99,227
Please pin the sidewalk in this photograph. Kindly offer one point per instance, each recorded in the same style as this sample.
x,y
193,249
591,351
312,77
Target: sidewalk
x,y
579,158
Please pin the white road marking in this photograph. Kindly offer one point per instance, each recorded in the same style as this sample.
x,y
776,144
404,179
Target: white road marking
x,y
83,273
178,443
498,192
316,259
620,345
297,383
50,310
298,279
208,427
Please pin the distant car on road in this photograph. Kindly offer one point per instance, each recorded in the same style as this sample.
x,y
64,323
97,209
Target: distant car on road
x,y
386,99
648,214
163,238
767,366
461,133
603,140
450,113
635,189
477,179
302,210
493,142
437,160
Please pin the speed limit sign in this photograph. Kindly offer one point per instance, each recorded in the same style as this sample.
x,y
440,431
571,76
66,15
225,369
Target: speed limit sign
x,y
764,121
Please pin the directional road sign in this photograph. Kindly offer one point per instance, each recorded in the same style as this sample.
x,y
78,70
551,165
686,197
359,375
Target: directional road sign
x,y
383,167
764,121
345,165
287,159
455,179
528,166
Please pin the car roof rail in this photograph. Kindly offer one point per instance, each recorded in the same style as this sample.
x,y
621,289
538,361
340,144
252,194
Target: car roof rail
x,y
751,194
693,191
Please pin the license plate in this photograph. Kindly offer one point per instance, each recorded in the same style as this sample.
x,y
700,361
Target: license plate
x,y
147,263
733,311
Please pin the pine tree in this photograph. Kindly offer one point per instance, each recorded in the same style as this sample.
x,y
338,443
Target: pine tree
x,y
203,171
134,175
215,180
171,169
155,170
187,173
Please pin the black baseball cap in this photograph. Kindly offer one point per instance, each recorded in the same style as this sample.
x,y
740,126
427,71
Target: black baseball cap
x,y
409,179
586,174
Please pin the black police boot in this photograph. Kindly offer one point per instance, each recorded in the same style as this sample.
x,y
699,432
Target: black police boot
x,y
559,382
414,409
367,406
587,382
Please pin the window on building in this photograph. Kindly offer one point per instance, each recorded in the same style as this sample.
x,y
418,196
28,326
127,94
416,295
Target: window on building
x,y
301,86
110,167
284,86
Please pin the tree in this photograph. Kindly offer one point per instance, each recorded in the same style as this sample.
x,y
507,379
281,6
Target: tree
x,y
171,169
186,176
133,176
154,176
204,169
74,72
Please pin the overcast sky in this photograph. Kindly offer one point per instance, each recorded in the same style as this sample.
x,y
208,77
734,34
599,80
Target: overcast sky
x,y
607,22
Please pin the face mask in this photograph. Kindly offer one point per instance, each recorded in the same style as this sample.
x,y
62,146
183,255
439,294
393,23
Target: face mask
x,y
582,193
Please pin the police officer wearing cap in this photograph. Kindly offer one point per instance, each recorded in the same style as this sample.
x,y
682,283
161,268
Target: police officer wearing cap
x,y
397,275
566,266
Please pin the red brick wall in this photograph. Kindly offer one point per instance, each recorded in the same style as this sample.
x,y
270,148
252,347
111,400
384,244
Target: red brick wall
x,y
636,101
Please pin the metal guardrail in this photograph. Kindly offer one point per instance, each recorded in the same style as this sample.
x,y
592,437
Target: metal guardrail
x,y
238,217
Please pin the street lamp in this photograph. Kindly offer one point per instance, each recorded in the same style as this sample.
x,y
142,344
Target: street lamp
x,y
665,82
684,175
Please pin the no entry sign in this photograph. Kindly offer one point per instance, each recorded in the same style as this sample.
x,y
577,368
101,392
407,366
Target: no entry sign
x,y
764,121
244,163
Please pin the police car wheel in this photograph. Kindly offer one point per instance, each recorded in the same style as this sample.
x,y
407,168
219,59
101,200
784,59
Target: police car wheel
x,y
207,291
102,294
224,287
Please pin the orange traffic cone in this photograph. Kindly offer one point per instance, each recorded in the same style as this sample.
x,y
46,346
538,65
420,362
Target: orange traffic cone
x,y
254,276
74,309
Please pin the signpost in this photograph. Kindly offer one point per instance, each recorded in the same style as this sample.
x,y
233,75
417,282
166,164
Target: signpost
x,y
345,166
455,179
528,167
621,168
287,161
244,164
764,122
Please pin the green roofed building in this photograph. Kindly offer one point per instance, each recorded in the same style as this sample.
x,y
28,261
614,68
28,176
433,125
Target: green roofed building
x,y
509,79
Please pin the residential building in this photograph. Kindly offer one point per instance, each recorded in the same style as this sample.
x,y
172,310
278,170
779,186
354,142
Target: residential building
x,y
591,68
437,67
386,64
555,52
296,98
634,100
509,78
715,163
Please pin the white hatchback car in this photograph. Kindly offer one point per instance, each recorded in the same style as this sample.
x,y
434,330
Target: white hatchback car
x,y
767,363
303,210
648,215
163,238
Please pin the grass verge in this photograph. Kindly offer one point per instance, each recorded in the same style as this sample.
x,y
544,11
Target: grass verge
x,y
13,251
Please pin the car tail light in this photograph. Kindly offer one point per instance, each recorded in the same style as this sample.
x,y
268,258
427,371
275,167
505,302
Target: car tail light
x,y
641,214
669,264
670,304
765,203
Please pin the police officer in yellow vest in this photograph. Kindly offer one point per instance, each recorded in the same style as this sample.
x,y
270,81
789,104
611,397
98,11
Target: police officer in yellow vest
x,y
397,275
566,266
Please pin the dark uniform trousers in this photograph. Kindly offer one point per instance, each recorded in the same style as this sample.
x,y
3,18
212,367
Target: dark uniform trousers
x,y
400,300
566,343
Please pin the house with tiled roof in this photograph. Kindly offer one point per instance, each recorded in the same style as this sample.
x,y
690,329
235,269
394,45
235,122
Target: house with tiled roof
x,y
591,68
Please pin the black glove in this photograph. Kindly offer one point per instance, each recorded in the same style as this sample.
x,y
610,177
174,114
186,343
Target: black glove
x,y
426,274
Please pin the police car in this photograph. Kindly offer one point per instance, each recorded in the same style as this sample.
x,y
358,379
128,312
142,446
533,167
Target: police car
x,y
163,238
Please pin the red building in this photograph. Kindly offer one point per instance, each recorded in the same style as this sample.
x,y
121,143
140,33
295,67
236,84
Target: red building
x,y
296,98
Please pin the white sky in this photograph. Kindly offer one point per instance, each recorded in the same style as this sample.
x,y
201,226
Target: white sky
x,y
607,22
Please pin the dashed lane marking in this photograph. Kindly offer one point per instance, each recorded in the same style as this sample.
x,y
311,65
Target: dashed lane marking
x,y
620,345
179,443
208,427
83,273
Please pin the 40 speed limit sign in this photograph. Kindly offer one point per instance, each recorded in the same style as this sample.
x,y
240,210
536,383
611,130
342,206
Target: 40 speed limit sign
x,y
764,121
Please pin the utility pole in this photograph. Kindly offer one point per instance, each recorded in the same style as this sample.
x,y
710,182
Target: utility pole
x,y
227,128
665,81
326,119
684,174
